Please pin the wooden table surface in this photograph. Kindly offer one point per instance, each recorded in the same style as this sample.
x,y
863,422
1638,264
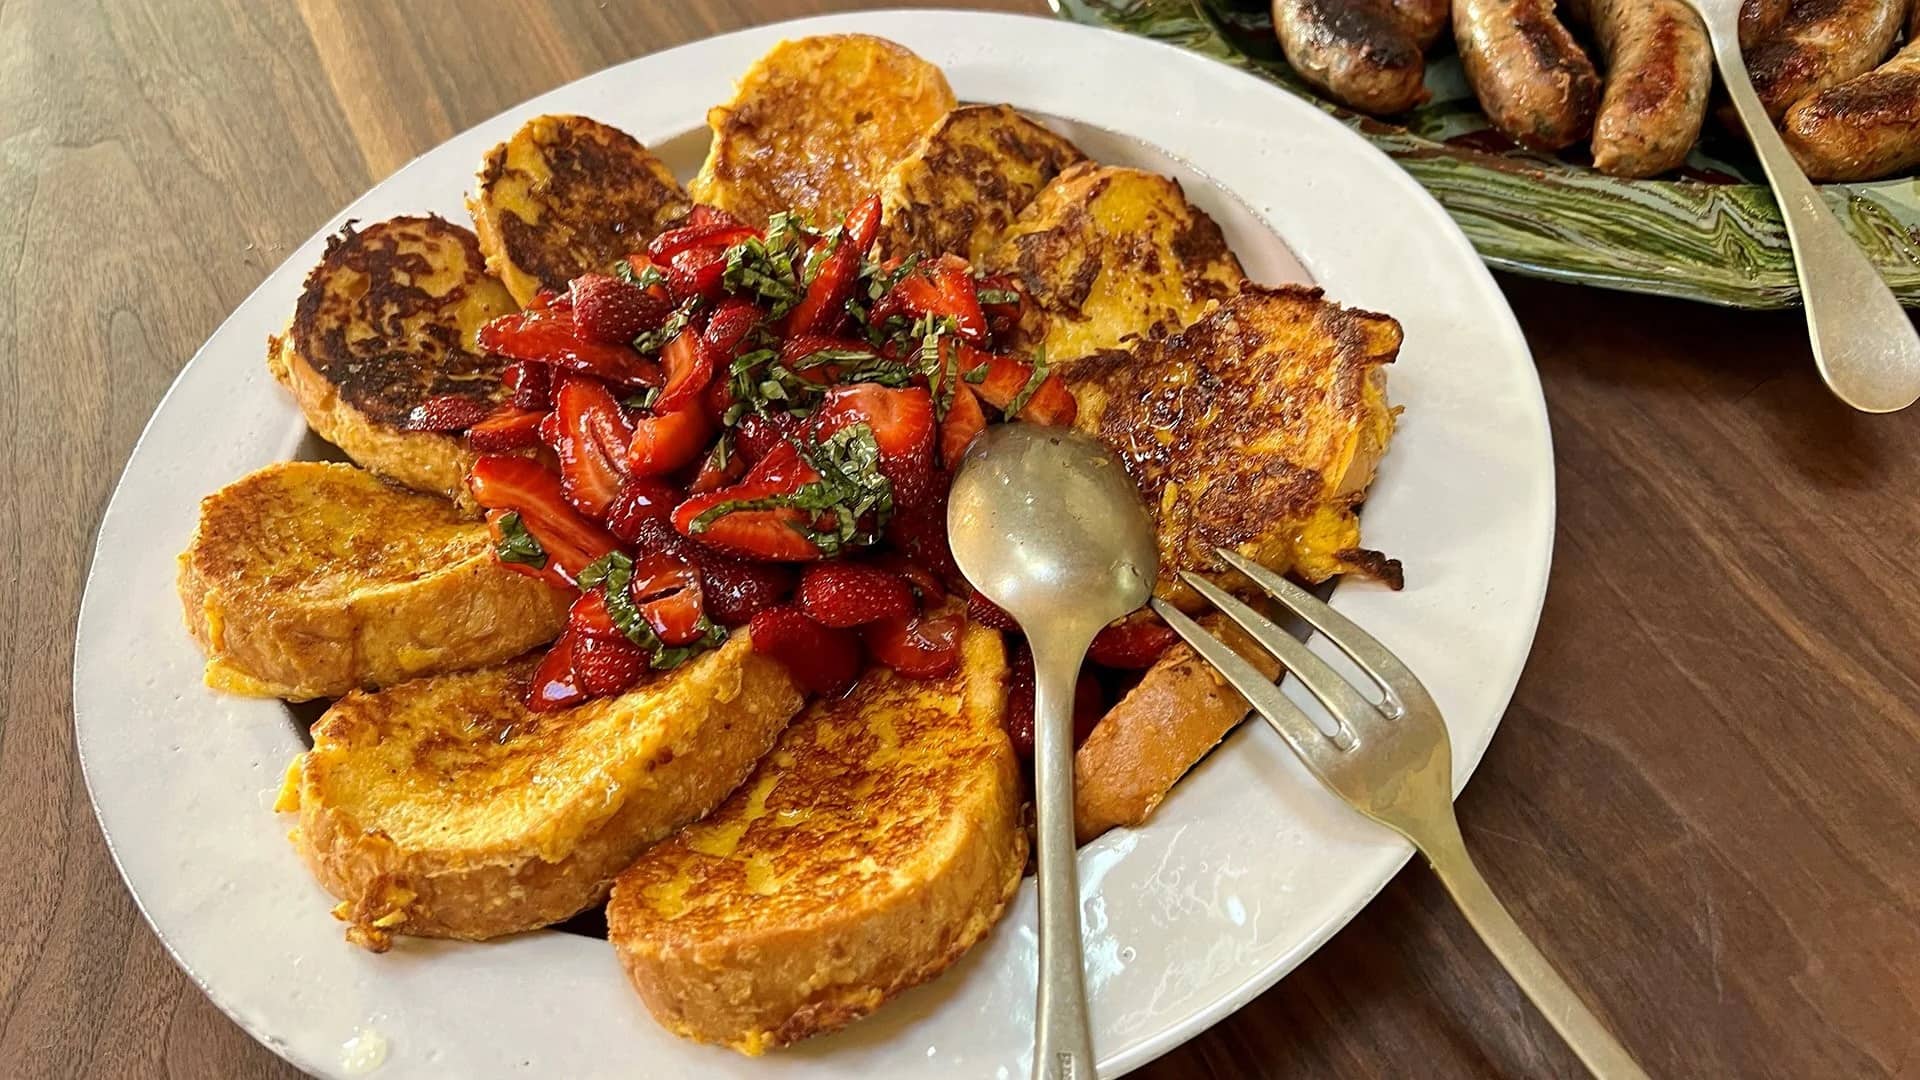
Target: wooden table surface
x,y
1701,803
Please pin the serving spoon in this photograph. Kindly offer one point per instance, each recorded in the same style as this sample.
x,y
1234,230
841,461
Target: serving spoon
x,y
1863,343
1046,523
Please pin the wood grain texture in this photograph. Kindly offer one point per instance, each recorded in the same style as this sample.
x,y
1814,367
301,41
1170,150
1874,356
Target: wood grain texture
x,y
1701,803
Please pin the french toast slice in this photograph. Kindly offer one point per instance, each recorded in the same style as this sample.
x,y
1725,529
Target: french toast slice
x,y
308,579
565,196
815,124
1110,255
386,322
966,180
444,807
877,843
1179,710
1258,429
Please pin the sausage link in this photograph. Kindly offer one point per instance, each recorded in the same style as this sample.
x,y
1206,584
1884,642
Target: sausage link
x,y
1821,43
1355,50
1865,128
1532,80
1659,70
1760,18
1423,19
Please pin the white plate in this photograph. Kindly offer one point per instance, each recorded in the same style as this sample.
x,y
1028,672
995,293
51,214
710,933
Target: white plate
x,y
1243,872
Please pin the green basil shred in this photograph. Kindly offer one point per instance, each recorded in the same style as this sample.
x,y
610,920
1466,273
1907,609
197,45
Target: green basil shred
x,y
516,544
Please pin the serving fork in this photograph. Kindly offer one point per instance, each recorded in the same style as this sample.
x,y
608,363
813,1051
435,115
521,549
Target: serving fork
x,y
1389,759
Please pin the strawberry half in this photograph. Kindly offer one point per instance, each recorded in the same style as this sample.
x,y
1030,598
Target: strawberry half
x,y
523,485
845,594
942,289
1005,378
508,429
667,591
553,685
550,335
708,233
448,412
662,443
772,533
825,305
964,420
605,661
594,436
902,425
924,646
688,364
615,312
822,660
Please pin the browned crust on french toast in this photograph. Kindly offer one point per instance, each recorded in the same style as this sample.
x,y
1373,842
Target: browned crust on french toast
x,y
815,124
1178,711
877,843
565,196
386,321
309,579
445,808
966,180
1255,429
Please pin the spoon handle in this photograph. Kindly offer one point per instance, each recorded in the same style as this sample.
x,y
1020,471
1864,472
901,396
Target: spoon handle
x,y
1863,343
1063,1044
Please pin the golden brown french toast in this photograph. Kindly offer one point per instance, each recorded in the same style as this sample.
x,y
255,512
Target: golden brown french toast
x,y
966,180
1257,428
1110,255
1178,711
308,579
815,124
876,844
565,196
444,807
386,322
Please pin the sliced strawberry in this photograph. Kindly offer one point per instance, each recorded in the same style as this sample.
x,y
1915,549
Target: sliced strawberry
x,y
665,442
695,273
822,660
688,364
553,685
1089,705
641,499
605,661
847,594
1132,644
521,484
902,425
919,533
942,289
732,320
509,428
964,420
798,351
924,646
707,234
1005,378
448,412
594,435
773,533
546,572
738,589
667,591
715,474
614,312
990,615
529,385
638,264
755,436
825,305
551,336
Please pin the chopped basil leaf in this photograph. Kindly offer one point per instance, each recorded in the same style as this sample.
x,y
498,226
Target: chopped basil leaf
x,y
977,375
654,340
516,544
997,296
1025,394
613,573
851,486
642,400
646,279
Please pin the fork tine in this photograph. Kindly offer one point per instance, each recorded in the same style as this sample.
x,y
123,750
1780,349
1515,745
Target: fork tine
x,y
1384,668
1282,715
1347,705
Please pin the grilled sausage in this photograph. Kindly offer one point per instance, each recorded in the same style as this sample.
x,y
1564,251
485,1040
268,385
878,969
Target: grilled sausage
x,y
1356,51
1863,129
1759,18
1821,43
1532,80
1424,19
1659,69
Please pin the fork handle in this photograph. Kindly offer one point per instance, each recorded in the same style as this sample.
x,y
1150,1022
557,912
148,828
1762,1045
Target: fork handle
x,y
1589,1039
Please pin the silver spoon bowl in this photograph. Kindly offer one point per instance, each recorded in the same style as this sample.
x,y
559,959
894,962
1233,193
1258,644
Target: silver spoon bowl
x,y
1047,524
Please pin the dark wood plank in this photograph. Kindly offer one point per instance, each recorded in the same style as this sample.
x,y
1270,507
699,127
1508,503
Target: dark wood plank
x,y
1701,801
